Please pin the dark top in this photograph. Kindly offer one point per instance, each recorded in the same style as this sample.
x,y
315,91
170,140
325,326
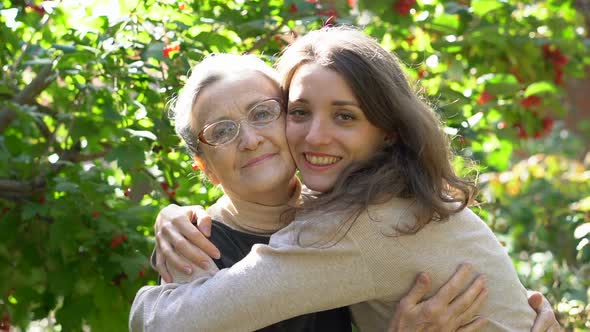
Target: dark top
x,y
235,245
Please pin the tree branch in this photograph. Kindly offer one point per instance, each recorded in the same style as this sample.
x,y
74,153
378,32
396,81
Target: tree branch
x,y
27,95
262,41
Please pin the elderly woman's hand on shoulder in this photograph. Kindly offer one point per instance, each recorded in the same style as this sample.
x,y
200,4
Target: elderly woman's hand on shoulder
x,y
181,239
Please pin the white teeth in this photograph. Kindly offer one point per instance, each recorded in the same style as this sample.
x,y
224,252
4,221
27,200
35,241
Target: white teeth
x,y
321,161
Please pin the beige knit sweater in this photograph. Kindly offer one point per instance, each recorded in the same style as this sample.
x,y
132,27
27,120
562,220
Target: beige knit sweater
x,y
368,268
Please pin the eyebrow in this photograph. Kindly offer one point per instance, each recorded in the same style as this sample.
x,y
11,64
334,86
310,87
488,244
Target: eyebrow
x,y
334,103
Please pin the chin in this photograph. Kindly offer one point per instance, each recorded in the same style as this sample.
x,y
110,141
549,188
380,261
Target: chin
x,y
320,185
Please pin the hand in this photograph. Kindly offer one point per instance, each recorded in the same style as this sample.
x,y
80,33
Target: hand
x,y
448,310
179,243
545,320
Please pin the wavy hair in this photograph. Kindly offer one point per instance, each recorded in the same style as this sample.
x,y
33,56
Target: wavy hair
x,y
417,164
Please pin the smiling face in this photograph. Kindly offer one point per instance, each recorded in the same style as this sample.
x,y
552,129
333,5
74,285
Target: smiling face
x,y
326,128
257,165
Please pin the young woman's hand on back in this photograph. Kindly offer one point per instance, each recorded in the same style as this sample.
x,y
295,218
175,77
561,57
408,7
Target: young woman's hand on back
x,y
179,243
451,308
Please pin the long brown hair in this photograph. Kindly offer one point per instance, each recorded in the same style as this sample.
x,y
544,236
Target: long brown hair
x,y
416,164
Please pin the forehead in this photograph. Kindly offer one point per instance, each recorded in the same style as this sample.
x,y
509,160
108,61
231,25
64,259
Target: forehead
x,y
231,96
315,80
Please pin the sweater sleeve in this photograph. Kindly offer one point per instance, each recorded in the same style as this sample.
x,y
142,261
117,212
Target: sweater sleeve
x,y
272,283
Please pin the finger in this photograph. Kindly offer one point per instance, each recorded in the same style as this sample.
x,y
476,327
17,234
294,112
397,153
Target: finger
x,y
196,238
535,300
161,267
173,260
459,281
203,221
420,288
462,302
187,250
475,325
545,321
474,309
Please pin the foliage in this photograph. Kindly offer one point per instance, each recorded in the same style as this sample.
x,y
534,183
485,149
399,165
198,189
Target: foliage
x,y
88,155
536,208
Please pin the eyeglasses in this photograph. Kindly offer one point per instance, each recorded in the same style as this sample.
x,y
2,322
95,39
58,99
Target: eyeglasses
x,y
225,131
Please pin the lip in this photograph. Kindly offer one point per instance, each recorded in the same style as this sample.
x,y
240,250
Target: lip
x,y
258,160
318,167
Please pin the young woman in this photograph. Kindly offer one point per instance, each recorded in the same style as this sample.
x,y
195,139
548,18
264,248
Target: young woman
x,y
356,243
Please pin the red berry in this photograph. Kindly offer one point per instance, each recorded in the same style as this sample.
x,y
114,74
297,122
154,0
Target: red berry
x,y
328,12
182,6
127,192
521,131
42,200
172,193
560,59
195,167
170,49
351,3
422,73
548,123
141,273
531,102
5,323
95,214
293,8
39,9
485,97
403,7
164,185
547,50
117,240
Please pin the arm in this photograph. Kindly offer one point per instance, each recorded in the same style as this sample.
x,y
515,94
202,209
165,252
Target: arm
x,y
281,281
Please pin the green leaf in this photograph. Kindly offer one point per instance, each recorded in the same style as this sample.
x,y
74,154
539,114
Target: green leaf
x,y
127,156
66,187
482,7
539,87
142,133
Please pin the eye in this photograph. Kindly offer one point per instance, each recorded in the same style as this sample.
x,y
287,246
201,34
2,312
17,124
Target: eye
x,y
298,114
264,112
220,132
345,116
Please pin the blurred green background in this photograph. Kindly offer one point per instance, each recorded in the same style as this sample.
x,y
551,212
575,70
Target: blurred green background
x,y
88,155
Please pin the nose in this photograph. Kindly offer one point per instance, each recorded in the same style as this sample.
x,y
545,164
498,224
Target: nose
x,y
249,138
318,132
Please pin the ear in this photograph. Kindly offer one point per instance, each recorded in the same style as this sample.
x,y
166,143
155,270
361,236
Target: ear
x,y
202,164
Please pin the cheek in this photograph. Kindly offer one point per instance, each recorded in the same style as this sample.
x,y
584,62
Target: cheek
x,y
293,133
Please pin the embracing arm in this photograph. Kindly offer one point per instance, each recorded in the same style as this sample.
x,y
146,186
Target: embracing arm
x,y
269,285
